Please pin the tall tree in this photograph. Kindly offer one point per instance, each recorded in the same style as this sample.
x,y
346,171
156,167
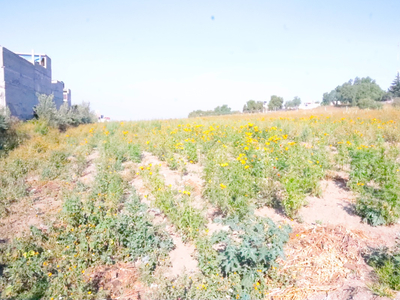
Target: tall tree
x,y
352,92
222,110
295,103
394,89
275,103
253,106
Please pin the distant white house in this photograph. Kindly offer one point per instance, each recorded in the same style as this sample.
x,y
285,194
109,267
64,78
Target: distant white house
x,y
102,118
309,105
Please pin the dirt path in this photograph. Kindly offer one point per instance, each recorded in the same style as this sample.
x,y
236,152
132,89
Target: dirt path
x,y
182,257
89,174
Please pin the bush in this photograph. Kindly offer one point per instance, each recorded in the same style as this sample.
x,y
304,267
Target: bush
x,y
46,109
396,102
9,138
368,103
4,119
48,115
249,250
374,175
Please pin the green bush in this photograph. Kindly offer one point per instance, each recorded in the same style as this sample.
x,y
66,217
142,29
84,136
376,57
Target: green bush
x,y
374,176
386,265
249,251
368,103
48,115
9,138
4,119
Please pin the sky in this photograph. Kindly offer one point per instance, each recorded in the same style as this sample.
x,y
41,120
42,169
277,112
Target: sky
x,y
140,60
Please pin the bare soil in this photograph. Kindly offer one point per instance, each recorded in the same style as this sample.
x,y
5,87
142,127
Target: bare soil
x,y
89,173
182,256
120,280
37,209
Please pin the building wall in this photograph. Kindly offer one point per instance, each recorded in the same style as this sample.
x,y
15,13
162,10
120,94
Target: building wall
x,y
2,83
67,96
21,81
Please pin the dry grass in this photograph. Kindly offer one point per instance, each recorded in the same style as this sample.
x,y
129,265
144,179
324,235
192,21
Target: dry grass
x,y
320,258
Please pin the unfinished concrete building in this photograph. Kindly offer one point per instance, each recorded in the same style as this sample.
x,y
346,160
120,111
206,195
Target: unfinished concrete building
x,y
22,75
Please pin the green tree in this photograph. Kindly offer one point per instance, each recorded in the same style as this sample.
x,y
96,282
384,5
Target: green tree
x,y
275,103
46,109
352,92
46,112
219,110
329,98
253,106
394,89
223,110
295,103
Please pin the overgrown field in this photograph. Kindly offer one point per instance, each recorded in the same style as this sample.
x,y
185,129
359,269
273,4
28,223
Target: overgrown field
x,y
242,163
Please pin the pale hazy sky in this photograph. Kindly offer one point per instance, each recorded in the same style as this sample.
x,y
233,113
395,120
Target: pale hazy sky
x,y
162,59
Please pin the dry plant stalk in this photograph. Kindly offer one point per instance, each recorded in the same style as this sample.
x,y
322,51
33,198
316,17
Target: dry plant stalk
x,y
320,258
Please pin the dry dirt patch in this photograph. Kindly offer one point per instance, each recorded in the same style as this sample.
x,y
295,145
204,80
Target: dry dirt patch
x,y
120,280
182,256
336,207
89,173
37,209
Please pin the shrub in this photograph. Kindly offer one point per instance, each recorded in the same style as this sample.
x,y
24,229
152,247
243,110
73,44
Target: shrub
x,y
396,102
368,103
386,265
4,119
48,115
248,251
9,138
374,175
46,109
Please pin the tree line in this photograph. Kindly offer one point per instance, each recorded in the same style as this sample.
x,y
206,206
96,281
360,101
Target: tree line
x,y
218,111
362,92
251,106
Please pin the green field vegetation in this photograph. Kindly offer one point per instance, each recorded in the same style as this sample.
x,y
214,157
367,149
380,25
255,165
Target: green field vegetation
x,y
249,161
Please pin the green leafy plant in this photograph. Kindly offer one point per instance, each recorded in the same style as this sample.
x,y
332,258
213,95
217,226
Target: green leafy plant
x,y
375,177
248,251
386,264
